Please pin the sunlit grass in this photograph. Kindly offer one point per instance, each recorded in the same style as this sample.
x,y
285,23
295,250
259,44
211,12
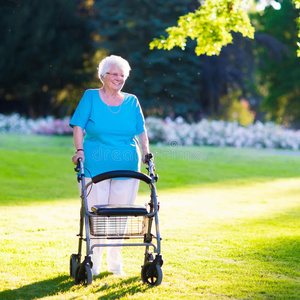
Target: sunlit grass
x,y
226,234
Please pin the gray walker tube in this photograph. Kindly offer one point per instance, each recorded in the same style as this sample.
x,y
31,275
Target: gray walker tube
x,y
151,270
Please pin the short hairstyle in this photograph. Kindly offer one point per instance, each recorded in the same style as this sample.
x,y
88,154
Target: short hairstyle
x,y
113,60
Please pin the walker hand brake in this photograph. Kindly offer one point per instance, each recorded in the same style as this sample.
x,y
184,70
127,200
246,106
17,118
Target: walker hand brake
x,y
151,167
77,168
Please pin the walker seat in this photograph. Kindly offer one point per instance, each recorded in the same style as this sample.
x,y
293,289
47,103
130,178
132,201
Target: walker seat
x,y
119,210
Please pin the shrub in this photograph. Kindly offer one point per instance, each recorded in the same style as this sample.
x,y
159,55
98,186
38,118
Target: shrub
x,y
17,124
176,132
222,134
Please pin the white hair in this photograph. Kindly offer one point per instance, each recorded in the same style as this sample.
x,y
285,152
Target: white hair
x,y
113,60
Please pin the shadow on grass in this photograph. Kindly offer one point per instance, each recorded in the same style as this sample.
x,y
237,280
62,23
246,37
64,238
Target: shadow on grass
x,y
39,289
65,283
128,287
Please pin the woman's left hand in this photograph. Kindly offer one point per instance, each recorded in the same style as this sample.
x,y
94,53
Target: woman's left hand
x,y
76,156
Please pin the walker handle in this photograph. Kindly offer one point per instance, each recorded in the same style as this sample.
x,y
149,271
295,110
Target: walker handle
x,y
148,157
78,166
120,174
151,167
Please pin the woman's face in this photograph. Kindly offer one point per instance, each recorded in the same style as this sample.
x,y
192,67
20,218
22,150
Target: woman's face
x,y
114,78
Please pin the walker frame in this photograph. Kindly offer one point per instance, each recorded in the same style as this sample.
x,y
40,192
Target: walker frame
x,y
119,217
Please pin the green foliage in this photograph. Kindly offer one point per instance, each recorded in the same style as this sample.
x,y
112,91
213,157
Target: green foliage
x,y
50,51
227,73
210,25
43,46
280,72
297,5
236,108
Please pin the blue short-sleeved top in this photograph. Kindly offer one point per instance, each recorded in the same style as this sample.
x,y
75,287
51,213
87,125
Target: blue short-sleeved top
x,y
109,142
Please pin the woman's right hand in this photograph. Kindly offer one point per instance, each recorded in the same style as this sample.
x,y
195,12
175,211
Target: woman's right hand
x,y
76,156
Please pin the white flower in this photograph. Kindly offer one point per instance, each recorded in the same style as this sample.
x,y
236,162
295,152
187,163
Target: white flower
x,y
178,132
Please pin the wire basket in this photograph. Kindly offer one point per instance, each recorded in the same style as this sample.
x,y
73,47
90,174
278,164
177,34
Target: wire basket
x,y
118,226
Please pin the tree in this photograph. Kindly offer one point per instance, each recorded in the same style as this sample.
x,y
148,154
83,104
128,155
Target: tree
x,y
165,83
297,5
211,25
232,70
43,46
214,24
281,72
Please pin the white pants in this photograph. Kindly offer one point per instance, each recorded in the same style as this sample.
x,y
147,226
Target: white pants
x,y
121,191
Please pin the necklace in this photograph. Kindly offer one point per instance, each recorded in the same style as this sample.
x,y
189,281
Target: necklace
x,y
108,106
114,112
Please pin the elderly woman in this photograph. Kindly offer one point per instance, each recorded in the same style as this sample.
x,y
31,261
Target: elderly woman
x,y
112,120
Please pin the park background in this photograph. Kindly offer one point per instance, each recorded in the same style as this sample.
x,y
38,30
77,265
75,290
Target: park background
x,y
224,132
50,53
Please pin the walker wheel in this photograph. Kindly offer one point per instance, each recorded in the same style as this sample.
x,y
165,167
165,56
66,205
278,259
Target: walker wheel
x,y
83,274
73,264
152,274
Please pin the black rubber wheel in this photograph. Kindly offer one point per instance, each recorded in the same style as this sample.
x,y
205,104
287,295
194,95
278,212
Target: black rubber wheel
x,y
152,276
83,276
73,264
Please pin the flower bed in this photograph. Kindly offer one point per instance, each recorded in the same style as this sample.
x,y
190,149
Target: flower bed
x,y
222,134
17,124
177,132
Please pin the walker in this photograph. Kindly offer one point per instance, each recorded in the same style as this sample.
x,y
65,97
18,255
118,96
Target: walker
x,y
119,222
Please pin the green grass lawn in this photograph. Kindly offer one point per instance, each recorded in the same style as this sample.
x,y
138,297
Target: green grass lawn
x,y
229,220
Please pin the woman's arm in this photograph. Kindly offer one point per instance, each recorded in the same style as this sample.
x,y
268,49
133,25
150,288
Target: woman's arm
x,y
144,143
78,142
